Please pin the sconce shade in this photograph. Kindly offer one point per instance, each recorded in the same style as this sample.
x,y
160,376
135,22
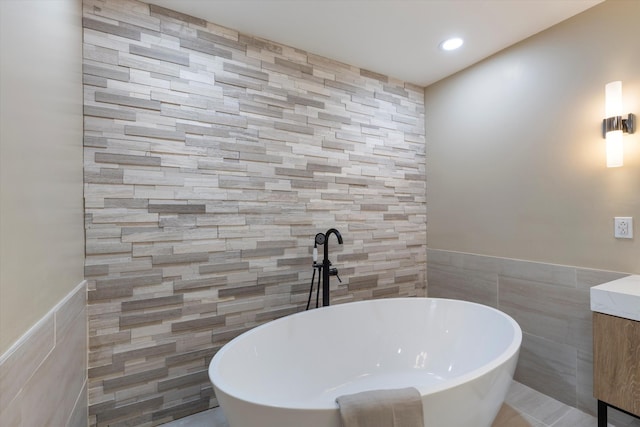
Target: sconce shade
x,y
613,99
615,149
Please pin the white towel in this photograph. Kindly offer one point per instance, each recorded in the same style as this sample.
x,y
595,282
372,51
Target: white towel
x,y
382,408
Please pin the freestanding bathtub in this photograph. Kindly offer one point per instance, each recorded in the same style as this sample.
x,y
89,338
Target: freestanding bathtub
x,y
287,373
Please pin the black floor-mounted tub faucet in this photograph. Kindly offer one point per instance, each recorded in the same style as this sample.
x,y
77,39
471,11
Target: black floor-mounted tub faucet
x,y
327,271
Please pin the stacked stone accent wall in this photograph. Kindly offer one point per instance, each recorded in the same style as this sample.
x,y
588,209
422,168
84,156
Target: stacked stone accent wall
x,y
212,159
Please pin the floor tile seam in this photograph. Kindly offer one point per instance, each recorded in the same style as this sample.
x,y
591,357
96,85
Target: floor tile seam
x,y
565,407
549,400
555,423
526,414
536,420
566,414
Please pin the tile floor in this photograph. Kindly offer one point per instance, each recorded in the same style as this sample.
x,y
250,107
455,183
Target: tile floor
x,y
524,407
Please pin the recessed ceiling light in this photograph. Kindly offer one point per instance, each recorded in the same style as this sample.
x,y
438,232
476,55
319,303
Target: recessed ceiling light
x,y
451,44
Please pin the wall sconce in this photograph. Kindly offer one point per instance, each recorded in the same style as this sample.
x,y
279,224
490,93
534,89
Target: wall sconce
x,y
614,125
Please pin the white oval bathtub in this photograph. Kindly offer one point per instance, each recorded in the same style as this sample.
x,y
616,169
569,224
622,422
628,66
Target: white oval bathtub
x,y
287,373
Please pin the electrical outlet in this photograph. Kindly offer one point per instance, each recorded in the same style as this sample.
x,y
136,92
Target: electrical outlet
x,y
623,227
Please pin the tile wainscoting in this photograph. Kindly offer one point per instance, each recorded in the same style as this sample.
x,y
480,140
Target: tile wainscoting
x,y
43,377
551,304
212,159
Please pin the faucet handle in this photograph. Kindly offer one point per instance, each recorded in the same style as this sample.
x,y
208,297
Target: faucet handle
x,y
334,272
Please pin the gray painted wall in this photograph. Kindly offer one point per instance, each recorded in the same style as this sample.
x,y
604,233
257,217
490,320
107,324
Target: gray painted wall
x,y
41,233
516,163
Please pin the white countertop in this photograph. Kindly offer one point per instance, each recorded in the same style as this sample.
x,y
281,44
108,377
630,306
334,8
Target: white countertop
x,y
619,298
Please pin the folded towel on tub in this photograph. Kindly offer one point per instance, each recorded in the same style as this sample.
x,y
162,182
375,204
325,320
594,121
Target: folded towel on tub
x,y
382,408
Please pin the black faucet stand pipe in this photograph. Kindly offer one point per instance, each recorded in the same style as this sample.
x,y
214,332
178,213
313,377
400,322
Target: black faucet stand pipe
x,y
326,264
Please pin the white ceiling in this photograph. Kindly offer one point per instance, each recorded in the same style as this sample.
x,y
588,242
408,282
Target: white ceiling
x,y
398,38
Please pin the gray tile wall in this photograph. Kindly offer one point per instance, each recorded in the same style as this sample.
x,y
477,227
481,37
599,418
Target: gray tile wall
x,y
212,159
43,378
550,303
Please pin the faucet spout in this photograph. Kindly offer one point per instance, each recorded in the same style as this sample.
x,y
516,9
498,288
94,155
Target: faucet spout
x,y
326,264
334,231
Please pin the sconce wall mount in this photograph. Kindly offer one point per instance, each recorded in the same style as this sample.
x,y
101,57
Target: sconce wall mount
x,y
611,124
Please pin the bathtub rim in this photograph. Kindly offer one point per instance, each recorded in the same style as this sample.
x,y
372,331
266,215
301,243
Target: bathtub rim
x,y
512,350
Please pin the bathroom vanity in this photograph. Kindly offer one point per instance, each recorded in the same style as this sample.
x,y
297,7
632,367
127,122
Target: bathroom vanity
x,y
616,346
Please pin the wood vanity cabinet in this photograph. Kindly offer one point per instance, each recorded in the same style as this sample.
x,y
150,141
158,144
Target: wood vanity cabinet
x,y
616,364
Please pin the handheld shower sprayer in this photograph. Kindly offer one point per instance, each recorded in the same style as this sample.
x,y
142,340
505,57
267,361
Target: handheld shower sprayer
x,y
319,240
315,253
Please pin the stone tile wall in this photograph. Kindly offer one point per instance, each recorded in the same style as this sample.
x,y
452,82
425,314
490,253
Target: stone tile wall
x,y
212,159
43,377
550,303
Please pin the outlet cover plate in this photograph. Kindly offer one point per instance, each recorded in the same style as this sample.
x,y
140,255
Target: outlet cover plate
x,y
623,227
